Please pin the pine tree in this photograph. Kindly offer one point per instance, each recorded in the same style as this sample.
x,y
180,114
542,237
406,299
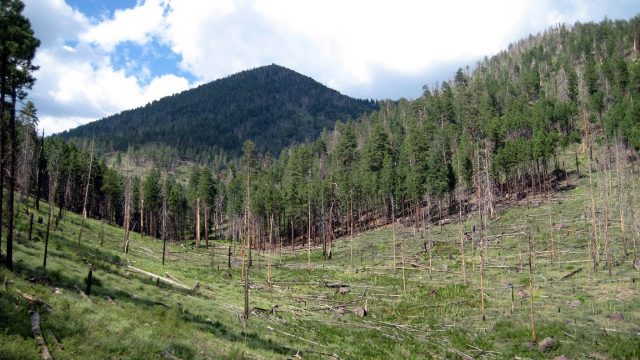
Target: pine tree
x,y
17,50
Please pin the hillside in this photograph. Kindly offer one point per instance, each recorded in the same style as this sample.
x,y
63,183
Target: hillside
x,y
419,304
271,105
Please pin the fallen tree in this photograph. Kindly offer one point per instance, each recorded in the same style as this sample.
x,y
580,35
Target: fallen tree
x,y
158,278
37,333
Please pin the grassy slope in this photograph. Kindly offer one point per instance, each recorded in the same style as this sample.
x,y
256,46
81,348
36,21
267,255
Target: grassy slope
x,y
438,317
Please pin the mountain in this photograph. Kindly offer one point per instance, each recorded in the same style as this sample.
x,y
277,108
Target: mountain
x,y
271,105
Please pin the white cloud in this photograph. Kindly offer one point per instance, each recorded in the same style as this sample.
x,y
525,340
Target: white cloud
x,y
56,124
190,28
55,22
367,48
402,36
136,25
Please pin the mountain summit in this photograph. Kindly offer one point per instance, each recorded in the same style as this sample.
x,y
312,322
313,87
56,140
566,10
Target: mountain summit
x,y
271,105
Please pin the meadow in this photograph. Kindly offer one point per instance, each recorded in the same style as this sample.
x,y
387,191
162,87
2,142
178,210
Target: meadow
x,y
356,305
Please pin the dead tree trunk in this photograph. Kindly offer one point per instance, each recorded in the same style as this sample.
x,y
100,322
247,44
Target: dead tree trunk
x,y
309,237
270,248
53,185
552,237
393,230
141,209
605,230
86,196
531,309
127,215
489,187
594,245
164,223
37,333
197,222
619,173
30,226
351,224
206,224
12,179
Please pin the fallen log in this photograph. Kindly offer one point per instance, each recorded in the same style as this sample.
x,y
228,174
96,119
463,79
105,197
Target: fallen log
x,y
34,300
258,310
197,286
158,278
571,274
335,285
173,278
37,333
204,286
294,336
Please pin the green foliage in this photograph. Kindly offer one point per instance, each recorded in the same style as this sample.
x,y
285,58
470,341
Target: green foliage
x,y
152,191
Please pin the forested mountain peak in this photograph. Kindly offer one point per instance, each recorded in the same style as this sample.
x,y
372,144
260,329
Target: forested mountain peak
x,y
271,105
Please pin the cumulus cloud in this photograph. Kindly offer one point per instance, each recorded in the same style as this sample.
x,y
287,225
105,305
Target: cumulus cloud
x,y
54,21
136,25
373,49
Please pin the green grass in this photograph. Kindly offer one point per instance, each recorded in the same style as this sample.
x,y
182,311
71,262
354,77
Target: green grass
x,y
439,317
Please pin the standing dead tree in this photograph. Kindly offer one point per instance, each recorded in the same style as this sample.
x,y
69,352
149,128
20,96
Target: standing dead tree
x,y
269,274
552,237
531,308
393,230
128,194
86,194
54,178
605,231
141,210
594,241
164,221
621,195
309,237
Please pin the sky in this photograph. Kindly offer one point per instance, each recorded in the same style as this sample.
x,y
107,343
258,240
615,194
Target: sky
x,y
98,58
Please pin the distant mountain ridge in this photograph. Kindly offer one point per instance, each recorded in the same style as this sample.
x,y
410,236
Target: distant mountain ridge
x,y
271,105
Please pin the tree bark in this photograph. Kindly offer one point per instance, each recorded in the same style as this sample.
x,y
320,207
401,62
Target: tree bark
x,y
3,87
393,230
197,222
309,238
141,209
270,247
164,224
206,224
127,215
12,180
37,333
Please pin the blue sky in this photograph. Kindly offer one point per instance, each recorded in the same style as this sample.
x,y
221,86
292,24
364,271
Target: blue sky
x,y
98,58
